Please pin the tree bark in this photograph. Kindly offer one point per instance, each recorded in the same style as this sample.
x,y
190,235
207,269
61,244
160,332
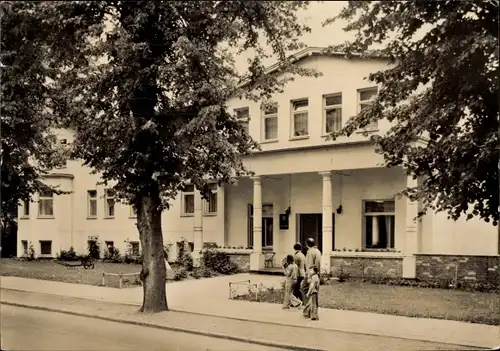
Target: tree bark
x,y
153,274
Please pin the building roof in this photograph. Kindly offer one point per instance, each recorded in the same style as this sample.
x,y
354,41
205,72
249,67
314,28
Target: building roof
x,y
316,51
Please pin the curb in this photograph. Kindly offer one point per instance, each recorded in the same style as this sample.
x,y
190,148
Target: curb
x,y
174,329
479,347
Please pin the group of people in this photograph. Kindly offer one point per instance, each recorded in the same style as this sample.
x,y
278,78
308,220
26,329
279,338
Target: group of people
x,y
302,279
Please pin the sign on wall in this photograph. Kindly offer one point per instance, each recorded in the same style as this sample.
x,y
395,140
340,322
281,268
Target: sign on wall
x,y
283,221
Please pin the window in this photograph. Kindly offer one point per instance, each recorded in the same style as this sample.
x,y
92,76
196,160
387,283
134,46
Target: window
x,y
243,116
91,203
134,245
300,118
267,225
270,123
46,204
110,246
25,246
378,224
133,212
109,203
63,141
26,209
46,247
365,98
188,200
211,204
333,113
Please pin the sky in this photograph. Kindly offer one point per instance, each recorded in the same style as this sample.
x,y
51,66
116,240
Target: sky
x,y
315,14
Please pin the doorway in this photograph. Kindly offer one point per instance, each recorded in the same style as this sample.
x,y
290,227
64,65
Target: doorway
x,y
310,225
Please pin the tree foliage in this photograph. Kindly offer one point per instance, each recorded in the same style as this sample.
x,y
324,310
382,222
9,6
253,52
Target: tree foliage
x,y
144,85
29,148
441,94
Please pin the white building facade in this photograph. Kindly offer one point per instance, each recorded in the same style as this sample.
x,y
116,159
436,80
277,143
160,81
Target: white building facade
x,y
337,192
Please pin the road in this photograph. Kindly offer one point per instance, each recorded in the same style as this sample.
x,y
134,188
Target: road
x,y
29,329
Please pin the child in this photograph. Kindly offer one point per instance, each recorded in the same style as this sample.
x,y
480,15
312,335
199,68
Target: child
x,y
291,272
311,309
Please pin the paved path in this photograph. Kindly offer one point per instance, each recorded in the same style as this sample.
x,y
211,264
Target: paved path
x,y
56,331
210,296
269,336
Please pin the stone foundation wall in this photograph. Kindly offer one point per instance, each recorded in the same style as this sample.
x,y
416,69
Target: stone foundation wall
x,y
481,269
367,267
242,260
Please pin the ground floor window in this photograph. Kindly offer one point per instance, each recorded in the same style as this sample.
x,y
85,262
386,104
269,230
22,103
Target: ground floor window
x,y
267,225
46,247
25,246
378,224
134,245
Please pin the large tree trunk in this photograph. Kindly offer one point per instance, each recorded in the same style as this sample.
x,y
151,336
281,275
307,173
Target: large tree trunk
x,y
153,273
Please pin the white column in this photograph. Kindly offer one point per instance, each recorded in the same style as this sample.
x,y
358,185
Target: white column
x,y
411,234
197,227
327,220
257,258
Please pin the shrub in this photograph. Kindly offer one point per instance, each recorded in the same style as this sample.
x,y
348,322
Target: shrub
x,y
166,249
131,257
341,274
210,245
181,274
30,255
69,255
94,249
218,261
113,256
184,257
436,284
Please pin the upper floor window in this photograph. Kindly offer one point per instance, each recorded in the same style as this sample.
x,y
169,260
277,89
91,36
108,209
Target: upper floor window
x,y
300,116
46,204
365,98
378,224
243,116
332,105
211,203
109,203
270,122
91,203
26,209
188,200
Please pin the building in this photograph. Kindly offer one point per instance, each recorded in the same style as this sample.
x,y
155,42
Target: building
x,y
337,192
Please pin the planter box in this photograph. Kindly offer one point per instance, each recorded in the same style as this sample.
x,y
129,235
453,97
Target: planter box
x,y
367,264
464,268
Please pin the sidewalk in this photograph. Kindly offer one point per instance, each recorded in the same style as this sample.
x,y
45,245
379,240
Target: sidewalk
x,y
276,337
210,297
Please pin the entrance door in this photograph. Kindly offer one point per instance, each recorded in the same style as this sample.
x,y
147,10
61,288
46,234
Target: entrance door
x,y
310,225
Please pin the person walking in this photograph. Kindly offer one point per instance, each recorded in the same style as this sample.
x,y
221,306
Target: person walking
x,y
300,260
312,294
313,259
291,272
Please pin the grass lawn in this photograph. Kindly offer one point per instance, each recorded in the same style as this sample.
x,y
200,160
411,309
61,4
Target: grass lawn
x,y
456,305
48,270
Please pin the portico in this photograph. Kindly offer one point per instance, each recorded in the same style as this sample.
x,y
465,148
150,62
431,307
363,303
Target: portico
x,y
257,261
